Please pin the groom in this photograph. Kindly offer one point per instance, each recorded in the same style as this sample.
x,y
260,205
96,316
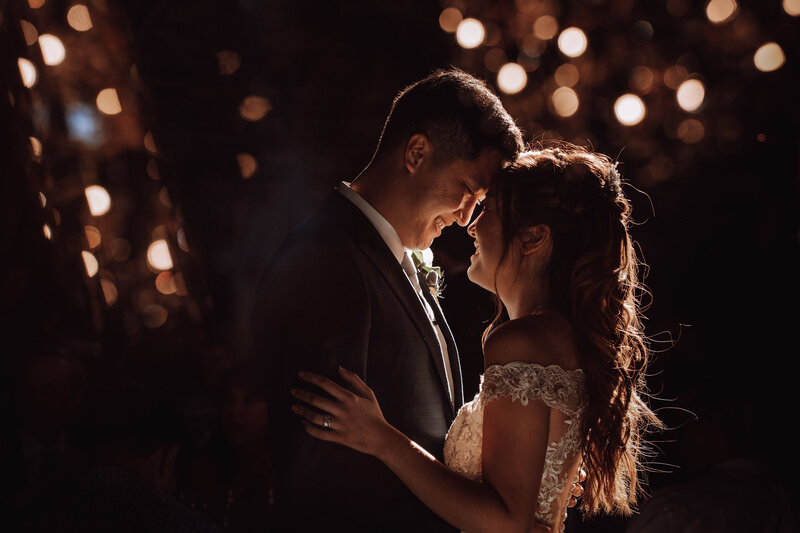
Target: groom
x,y
342,290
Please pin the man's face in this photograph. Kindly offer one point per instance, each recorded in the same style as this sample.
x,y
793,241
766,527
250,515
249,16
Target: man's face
x,y
445,194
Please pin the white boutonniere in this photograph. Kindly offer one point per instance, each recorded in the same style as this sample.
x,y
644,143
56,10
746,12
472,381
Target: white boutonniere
x,y
433,276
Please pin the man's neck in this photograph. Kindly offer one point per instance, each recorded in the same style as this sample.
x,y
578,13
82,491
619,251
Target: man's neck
x,y
382,192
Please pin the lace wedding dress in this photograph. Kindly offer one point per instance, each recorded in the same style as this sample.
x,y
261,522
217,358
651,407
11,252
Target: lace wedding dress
x,y
561,390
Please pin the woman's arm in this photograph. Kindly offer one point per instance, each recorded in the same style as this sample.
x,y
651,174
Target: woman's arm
x,y
514,444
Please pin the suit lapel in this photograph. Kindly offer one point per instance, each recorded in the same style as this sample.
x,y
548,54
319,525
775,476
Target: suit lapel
x,y
367,238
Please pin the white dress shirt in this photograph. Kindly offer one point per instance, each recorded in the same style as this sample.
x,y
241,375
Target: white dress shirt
x,y
402,254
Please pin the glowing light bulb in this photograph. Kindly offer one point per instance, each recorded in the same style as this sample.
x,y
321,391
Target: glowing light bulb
x,y
90,262
449,19
27,72
565,101
254,108
572,42
470,33
29,32
247,164
690,95
629,109
78,17
53,51
545,27
158,255
769,57
108,102
792,7
98,199
720,11
512,78
109,291
93,238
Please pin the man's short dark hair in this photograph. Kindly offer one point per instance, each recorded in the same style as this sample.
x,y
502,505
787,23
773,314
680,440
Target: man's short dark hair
x,y
459,115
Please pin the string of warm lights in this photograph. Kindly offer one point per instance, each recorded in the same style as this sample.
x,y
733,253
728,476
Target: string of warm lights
x,y
80,69
540,56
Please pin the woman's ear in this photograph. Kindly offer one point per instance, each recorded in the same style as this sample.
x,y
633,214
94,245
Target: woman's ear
x,y
417,149
534,238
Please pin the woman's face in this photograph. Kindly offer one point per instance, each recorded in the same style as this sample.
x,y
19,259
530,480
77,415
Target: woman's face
x,y
485,263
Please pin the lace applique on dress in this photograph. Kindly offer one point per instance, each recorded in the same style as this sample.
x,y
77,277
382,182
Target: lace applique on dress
x,y
558,388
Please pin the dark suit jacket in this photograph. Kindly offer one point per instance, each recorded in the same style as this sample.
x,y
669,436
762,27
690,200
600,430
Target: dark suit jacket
x,y
335,295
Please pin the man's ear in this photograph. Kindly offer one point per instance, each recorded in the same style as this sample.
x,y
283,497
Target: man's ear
x,y
418,148
534,238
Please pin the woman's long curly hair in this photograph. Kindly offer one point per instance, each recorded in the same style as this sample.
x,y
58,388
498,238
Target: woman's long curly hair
x,y
593,281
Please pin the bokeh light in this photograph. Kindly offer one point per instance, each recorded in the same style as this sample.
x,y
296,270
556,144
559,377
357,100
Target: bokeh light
x,y
691,131
545,27
183,244
150,143
228,62
511,78
254,108
721,11
90,262
470,33
35,4
449,19
566,75
565,102
98,199
29,32
165,284
53,51
674,76
769,57
48,233
158,255
154,316
78,17
792,7
93,237
110,293
572,42
247,164
108,102
691,94
629,109
642,79
27,72
36,148
42,199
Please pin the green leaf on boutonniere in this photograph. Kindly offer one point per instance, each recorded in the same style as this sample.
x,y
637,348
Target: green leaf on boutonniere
x,y
432,274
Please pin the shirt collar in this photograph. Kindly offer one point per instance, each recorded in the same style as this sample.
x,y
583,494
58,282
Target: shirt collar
x,y
383,227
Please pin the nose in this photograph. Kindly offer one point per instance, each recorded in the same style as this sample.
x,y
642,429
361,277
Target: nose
x,y
465,213
471,228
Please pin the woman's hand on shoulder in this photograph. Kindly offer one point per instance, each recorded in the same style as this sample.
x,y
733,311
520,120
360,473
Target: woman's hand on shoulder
x,y
352,418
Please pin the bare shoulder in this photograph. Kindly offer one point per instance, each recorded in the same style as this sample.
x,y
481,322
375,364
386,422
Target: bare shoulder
x,y
545,339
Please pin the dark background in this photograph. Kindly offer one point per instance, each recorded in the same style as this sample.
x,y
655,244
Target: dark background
x,y
718,217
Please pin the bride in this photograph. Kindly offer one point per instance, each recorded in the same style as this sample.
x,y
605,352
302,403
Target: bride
x,y
564,376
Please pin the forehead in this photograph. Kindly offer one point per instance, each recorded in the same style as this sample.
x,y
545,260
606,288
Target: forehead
x,y
483,170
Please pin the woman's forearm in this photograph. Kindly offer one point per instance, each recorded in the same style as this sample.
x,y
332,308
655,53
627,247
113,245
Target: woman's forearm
x,y
466,504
